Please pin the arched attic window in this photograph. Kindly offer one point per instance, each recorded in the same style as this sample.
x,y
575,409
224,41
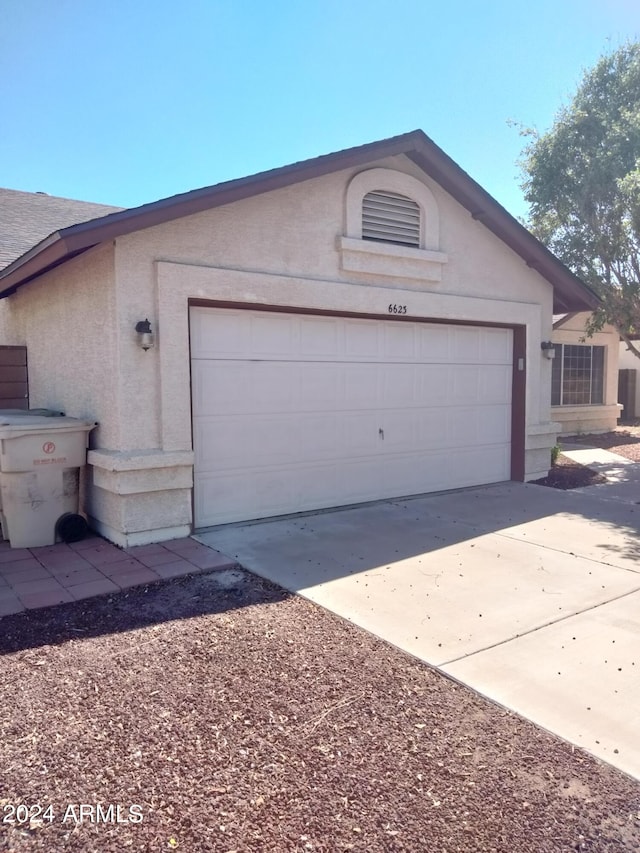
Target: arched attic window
x,y
390,218
392,227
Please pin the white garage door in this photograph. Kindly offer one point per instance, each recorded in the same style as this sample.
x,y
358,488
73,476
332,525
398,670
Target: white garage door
x,y
294,412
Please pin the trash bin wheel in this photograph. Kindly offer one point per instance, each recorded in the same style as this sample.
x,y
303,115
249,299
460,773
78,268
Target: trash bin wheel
x,y
71,527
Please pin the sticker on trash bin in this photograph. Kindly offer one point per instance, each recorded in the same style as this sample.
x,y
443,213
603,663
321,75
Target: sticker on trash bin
x,y
49,447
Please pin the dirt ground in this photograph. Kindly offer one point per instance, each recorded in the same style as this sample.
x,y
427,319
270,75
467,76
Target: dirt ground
x,y
567,474
219,713
623,440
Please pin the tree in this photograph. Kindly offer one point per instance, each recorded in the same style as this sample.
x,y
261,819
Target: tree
x,y
582,181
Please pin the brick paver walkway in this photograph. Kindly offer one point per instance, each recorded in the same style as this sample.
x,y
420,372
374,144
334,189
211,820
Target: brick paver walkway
x,y
41,577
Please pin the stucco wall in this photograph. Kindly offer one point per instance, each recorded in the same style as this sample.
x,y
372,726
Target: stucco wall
x,y
65,319
281,248
592,418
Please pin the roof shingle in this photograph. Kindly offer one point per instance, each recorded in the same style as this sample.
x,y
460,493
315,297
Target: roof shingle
x,y
28,218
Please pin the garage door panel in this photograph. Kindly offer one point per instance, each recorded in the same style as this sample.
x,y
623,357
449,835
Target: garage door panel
x,y
434,343
319,387
464,384
225,497
319,336
324,411
398,385
434,384
415,473
363,341
461,423
238,442
432,428
494,384
361,386
357,480
493,425
215,335
475,467
400,431
477,426
496,347
272,335
224,444
240,387
399,343
465,344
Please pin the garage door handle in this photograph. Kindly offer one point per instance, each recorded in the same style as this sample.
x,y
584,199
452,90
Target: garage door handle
x,y
381,433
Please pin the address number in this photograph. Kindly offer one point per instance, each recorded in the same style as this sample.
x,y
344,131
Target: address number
x,y
397,309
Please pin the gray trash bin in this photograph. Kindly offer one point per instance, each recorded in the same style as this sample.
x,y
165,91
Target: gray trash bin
x,y
40,460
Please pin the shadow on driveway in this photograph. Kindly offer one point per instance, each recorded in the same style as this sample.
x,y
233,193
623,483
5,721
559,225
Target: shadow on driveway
x,y
329,545
140,607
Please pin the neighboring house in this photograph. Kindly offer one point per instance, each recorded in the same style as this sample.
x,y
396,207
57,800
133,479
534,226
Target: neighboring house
x,y
28,218
629,381
584,376
363,325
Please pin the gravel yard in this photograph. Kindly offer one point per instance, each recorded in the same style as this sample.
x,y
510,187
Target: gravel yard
x,y
220,713
623,440
567,474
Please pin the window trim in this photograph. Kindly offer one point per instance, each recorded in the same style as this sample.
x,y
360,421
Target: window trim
x,y
391,260
388,180
559,349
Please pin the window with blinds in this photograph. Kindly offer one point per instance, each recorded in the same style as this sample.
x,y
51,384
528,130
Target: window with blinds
x,y
390,218
577,375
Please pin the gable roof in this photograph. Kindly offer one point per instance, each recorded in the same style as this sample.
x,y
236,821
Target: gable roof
x,y
27,218
570,293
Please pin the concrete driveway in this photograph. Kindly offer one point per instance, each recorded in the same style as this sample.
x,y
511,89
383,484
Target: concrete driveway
x,y
529,595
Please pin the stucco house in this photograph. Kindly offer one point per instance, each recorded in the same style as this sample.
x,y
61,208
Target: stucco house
x,y
584,376
363,325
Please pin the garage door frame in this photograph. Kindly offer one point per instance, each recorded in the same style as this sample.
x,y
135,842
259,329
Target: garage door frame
x,y
519,372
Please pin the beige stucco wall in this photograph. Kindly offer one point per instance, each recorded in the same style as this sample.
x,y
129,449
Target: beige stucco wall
x,y
588,419
281,248
65,319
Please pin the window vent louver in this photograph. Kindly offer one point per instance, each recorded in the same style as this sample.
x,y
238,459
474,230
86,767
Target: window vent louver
x,y
390,218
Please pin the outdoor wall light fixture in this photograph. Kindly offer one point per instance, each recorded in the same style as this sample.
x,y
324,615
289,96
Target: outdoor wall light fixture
x,y
548,349
145,335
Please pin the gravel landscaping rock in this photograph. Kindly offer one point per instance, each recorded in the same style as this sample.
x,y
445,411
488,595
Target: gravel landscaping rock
x,y
222,714
567,474
623,440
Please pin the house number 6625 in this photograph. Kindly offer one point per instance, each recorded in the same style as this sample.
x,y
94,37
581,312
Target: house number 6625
x,y
397,309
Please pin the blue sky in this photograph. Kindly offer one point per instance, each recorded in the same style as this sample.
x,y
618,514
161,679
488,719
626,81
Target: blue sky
x,y
127,101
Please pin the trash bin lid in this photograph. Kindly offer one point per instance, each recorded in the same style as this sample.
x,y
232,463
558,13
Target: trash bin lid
x,y
11,425
48,413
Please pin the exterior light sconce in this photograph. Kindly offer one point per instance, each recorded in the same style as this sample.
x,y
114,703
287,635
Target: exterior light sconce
x,y
548,349
145,335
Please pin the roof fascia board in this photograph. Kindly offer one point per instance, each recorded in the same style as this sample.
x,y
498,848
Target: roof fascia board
x,y
196,201
77,238
483,207
569,292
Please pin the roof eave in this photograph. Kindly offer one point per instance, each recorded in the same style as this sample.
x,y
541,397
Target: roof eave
x,y
50,253
68,242
570,294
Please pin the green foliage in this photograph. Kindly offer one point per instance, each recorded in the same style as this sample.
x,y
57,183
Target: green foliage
x,y
582,181
555,452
